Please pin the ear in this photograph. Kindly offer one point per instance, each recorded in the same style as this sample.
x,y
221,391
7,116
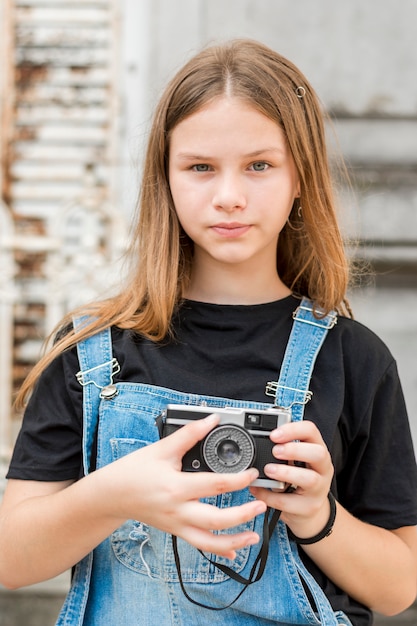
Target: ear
x,y
297,191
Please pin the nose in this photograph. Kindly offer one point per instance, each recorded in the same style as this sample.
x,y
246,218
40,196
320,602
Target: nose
x,y
229,193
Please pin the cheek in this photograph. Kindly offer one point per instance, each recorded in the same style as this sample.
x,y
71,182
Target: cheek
x,y
188,202
185,210
182,204
181,191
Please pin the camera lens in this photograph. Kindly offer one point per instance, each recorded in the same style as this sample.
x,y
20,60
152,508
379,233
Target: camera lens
x,y
228,452
229,448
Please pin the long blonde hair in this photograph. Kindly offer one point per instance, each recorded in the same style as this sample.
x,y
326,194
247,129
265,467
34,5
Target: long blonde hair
x,y
311,259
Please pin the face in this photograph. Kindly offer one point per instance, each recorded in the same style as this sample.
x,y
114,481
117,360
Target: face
x,y
233,181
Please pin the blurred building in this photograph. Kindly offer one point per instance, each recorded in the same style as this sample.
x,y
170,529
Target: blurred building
x,y
78,84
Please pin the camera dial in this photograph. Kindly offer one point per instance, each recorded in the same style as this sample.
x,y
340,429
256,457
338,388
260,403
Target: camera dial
x,y
229,448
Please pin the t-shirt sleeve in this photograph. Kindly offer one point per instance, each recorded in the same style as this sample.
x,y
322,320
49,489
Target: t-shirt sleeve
x,y
49,444
379,482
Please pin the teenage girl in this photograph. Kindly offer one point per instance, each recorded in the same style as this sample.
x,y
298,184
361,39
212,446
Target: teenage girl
x,y
236,223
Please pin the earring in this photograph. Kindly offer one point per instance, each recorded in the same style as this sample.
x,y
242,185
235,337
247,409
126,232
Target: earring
x,y
298,223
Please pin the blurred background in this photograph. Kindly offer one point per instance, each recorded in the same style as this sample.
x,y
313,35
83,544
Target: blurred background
x,y
78,83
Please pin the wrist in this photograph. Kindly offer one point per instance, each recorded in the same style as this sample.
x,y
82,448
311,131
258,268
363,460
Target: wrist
x,y
326,530
106,496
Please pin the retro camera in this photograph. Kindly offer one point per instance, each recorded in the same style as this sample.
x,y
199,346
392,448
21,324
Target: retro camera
x,y
240,440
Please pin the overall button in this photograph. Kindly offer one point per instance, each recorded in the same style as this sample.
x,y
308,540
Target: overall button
x,y
109,392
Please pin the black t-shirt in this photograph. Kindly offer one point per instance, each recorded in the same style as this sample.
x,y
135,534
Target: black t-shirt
x,y
233,351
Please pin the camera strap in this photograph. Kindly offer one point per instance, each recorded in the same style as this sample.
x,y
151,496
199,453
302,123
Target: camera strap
x,y
258,567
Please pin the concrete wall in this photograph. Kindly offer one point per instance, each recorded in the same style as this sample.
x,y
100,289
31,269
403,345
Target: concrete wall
x,y
361,58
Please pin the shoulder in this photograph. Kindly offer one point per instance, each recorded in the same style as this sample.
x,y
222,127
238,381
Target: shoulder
x,y
355,377
358,346
352,328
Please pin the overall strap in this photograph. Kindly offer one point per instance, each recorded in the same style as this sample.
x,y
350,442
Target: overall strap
x,y
96,376
306,338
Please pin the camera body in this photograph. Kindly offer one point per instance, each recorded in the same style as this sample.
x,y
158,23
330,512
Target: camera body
x,y
240,440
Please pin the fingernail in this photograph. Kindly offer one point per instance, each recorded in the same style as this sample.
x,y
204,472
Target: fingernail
x,y
260,508
277,434
213,417
254,539
278,450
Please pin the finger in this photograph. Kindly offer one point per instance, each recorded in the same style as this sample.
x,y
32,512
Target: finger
x,y
187,436
205,484
288,502
309,453
210,517
223,544
302,431
306,479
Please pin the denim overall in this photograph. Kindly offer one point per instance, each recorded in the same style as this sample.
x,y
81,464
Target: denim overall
x,y
131,579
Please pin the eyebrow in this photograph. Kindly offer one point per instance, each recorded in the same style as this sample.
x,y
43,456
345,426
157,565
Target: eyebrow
x,y
201,157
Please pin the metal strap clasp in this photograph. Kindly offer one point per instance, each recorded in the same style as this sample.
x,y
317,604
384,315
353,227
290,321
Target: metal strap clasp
x,y
273,386
328,321
115,369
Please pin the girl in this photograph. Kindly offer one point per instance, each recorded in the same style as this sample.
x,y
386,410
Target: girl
x,y
236,224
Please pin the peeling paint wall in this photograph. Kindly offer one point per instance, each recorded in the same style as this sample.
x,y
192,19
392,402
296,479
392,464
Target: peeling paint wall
x,y
63,103
59,150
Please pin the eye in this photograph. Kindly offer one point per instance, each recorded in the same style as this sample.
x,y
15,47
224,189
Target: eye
x,y
259,166
201,167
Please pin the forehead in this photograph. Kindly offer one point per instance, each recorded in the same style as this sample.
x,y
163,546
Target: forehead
x,y
227,119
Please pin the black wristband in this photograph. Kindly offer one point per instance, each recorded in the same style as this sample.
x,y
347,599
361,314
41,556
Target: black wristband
x,y
327,530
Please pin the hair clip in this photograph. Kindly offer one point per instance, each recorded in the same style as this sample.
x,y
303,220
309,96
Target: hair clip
x,y
300,92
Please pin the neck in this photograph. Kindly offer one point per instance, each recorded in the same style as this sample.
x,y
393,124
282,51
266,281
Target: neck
x,y
229,286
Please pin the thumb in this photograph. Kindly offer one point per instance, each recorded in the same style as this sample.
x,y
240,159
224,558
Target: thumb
x,y
187,436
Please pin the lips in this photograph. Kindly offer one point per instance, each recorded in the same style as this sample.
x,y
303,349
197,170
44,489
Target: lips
x,y
230,230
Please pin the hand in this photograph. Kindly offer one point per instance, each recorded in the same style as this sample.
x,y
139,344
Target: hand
x,y
307,509
149,485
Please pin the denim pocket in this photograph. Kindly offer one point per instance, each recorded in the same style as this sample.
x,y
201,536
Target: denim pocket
x,y
147,550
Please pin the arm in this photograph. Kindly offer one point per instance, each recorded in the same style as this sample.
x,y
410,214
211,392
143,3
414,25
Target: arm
x,y
45,528
379,566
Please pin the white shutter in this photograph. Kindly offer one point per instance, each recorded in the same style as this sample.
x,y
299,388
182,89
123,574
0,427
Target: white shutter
x,y
60,152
